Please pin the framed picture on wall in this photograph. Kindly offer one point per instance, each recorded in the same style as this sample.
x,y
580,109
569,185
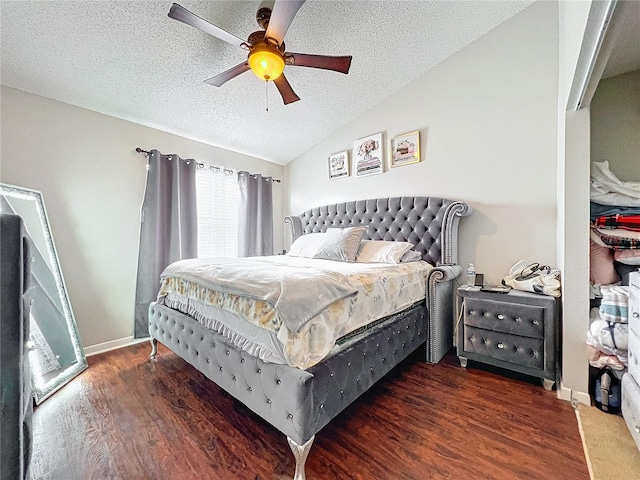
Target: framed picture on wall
x,y
367,155
405,149
339,165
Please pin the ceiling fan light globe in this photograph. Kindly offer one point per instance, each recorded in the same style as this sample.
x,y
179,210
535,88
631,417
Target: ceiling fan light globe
x,y
266,63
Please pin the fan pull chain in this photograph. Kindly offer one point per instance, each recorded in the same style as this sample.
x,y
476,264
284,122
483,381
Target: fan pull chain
x,y
266,84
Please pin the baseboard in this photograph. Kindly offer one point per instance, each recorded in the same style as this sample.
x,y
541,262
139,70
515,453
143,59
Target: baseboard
x,y
569,395
582,397
112,345
564,393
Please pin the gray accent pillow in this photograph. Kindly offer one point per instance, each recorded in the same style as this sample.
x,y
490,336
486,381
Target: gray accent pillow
x,y
411,256
341,244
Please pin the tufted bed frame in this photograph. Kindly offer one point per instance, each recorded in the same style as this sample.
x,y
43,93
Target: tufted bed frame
x,y
300,402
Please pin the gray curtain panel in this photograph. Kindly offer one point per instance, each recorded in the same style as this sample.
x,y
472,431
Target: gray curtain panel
x,y
168,229
255,215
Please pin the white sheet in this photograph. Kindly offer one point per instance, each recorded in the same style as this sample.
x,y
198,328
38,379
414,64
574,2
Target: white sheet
x,y
607,189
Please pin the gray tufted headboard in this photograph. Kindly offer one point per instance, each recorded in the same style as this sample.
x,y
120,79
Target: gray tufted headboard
x,y
430,223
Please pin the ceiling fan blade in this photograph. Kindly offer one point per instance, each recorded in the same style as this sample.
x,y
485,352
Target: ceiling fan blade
x,y
178,12
337,64
224,77
284,11
288,95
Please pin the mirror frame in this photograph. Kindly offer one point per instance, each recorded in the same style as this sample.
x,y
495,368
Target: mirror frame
x,y
42,392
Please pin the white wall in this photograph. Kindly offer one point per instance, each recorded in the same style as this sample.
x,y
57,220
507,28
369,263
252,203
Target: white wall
x,y
575,270
488,122
615,125
92,183
573,203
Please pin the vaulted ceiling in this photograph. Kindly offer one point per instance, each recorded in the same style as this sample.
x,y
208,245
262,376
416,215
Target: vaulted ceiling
x,y
128,59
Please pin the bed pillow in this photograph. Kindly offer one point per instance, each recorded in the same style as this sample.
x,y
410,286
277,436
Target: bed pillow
x,y
306,245
341,244
380,251
411,256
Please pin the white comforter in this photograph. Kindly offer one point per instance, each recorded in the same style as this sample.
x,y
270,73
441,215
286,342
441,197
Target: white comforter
x,y
382,290
281,284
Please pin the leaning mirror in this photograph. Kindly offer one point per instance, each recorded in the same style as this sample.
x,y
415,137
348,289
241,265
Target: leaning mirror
x,y
56,355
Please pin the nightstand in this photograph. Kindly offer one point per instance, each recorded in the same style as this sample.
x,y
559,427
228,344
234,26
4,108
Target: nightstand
x,y
518,331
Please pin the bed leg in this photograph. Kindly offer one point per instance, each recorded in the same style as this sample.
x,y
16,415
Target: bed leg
x,y
300,453
154,348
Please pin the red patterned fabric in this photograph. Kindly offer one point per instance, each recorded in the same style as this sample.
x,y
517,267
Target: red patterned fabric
x,y
615,238
626,222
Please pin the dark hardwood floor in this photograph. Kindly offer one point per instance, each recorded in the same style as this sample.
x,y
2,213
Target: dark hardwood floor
x,y
127,417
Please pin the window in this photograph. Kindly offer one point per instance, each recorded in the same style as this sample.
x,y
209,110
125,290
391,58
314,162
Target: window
x,y
217,195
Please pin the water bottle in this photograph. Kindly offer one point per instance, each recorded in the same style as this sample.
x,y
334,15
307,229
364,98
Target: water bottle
x,y
471,275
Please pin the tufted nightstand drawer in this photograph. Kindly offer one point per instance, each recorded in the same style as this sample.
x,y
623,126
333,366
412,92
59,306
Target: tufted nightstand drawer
x,y
518,331
515,319
523,351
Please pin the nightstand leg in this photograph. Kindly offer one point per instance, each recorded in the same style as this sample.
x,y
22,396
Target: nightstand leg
x,y
548,384
463,362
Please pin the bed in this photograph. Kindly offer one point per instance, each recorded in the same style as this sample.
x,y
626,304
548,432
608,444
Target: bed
x,y
299,402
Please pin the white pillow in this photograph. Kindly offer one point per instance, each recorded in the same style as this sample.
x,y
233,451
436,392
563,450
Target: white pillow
x,y
341,244
380,251
306,245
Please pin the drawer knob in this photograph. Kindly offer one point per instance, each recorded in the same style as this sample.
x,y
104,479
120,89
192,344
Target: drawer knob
x,y
500,316
637,429
501,345
635,314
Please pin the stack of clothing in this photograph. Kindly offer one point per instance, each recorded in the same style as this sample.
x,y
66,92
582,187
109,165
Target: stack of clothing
x,y
608,335
615,252
615,227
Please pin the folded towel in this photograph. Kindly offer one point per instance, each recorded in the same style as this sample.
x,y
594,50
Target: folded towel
x,y
615,303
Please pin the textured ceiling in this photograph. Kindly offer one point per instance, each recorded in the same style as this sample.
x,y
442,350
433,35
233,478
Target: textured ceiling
x,y
129,60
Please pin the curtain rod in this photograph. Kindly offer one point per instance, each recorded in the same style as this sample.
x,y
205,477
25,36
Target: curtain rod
x,y
200,164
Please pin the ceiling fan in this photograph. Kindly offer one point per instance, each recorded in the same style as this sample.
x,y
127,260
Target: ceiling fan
x,y
267,56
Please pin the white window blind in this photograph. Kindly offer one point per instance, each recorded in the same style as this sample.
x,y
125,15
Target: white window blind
x,y
217,195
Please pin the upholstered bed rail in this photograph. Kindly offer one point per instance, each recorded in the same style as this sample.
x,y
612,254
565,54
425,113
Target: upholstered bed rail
x,y
297,402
